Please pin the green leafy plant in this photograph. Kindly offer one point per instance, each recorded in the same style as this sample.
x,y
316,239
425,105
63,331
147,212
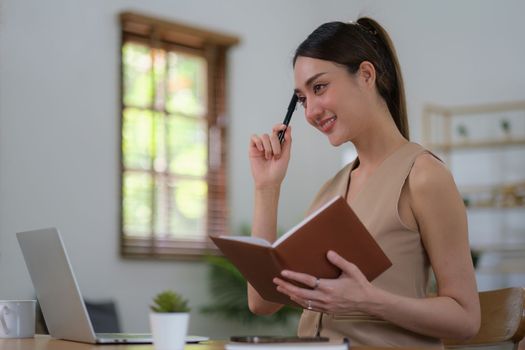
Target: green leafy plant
x,y
229,292
169,301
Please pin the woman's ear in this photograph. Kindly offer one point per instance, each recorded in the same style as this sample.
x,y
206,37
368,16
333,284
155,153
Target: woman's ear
x,y
367,74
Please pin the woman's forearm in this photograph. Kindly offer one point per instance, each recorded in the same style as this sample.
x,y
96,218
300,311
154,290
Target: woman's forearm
x,y
264,225
440,317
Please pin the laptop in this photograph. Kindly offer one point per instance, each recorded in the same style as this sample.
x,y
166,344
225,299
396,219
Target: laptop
x,y
58,293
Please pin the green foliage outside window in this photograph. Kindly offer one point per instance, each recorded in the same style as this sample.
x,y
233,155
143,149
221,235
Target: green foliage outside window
x,y
164,143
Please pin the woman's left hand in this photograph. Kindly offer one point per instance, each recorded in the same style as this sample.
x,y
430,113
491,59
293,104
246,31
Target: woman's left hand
x,y
347,293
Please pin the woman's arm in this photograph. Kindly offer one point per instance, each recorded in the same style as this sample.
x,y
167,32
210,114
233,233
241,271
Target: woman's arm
x,y
269,162
440,215
264,225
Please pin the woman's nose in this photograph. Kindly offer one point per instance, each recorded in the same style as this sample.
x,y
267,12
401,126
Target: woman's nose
x,y
312,112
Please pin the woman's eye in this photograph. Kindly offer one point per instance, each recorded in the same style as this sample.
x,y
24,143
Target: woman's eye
x,y
318,87
302,101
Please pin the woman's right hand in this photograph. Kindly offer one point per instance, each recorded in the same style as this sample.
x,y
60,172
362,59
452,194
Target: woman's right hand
x,y
269,158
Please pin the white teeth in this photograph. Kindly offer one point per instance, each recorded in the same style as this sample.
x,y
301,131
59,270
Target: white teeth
x,y
326,122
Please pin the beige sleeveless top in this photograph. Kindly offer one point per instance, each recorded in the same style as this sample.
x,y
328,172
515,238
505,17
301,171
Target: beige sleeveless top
x,y
377,207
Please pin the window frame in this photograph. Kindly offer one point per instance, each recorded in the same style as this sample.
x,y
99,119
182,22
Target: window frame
x,y
213,47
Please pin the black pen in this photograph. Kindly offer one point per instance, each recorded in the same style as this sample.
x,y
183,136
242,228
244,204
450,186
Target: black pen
x,y
291,109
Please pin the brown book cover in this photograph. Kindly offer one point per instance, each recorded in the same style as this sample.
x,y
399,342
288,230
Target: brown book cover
x,y
334,226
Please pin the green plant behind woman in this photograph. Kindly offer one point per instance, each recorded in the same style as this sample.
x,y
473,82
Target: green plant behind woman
x,y
230,300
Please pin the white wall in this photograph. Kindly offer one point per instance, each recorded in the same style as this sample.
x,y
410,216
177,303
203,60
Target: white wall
x,y
59,117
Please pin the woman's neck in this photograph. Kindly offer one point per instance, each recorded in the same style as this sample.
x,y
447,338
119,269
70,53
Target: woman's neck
x,y
376,143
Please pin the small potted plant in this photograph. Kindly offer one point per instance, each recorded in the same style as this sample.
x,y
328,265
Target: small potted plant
x,y
463,132
169,321
505,126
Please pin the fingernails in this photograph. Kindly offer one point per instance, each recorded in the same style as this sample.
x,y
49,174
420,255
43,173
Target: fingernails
x,y
285,273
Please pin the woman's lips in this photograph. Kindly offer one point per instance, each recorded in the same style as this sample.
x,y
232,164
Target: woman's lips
x,y
327,124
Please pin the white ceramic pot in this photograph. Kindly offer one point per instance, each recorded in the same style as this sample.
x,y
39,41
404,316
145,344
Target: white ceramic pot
x,y
169,330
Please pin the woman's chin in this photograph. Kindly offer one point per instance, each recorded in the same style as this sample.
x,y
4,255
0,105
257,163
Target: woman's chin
x,y
335,141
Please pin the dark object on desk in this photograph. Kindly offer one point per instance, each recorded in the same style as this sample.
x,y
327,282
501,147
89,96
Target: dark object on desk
x,y
104,317
287,345
267,339
40,323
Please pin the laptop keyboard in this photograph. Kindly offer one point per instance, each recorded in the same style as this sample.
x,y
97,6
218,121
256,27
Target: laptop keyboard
x,y
124,335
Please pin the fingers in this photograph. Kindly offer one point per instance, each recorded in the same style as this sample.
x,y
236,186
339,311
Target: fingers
x,y
309,299
295,292
276,145
345,266
268,144
308,304
268,152
256,142
307,280
287,143
261,146
278,127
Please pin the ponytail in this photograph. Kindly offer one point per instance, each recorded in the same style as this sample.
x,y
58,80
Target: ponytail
x,y
390,83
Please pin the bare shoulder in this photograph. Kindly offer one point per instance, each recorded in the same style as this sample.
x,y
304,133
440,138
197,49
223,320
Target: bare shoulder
x,y
429,174
433,195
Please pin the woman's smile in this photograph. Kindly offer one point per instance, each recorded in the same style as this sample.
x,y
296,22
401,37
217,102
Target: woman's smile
x,y
327,124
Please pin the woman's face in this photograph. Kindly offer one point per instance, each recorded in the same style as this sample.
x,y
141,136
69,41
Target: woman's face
x,y
334,100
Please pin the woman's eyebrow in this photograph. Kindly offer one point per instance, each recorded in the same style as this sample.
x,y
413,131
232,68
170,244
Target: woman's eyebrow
x,y
310,80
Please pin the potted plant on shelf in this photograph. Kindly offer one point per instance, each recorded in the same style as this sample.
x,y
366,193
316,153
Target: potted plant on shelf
x,y
169,321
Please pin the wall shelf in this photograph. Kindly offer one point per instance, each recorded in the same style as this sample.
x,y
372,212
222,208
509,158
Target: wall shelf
x,y
476,144
500,248
486,134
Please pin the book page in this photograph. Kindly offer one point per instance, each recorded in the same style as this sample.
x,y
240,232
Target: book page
x,y
249,239
305,220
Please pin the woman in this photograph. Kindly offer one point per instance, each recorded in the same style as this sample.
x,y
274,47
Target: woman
x,y
349,82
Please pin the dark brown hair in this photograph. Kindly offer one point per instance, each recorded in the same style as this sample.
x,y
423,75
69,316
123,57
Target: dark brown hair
x,y
349,44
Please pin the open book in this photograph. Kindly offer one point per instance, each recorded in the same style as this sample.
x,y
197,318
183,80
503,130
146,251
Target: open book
x,y
334,226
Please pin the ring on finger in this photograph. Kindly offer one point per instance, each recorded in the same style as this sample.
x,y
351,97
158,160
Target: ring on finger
x,y
309,304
